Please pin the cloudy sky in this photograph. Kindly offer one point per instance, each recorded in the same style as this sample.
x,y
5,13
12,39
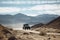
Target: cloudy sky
x,y
30,7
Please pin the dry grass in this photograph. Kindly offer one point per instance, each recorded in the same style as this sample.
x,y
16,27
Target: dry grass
x,y
42,33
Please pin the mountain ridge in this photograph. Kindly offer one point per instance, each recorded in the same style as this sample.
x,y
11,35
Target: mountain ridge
x,y
21,18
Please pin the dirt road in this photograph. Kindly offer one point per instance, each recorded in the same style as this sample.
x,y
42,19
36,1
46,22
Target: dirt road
x,y
39,32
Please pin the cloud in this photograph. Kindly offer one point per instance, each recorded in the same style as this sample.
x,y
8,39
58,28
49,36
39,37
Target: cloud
x,y
13,2
30,2
12,10
8,9
46,9
32,11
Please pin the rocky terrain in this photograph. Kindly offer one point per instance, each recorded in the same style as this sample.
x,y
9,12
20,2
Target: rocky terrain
x,y
9,34
49,31
53,26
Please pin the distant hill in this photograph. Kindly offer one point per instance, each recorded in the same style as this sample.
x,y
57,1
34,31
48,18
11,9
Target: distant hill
x,y
55,23
37,25
11,19
21,18
44,18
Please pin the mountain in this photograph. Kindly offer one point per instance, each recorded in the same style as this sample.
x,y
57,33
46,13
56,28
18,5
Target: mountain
x,y
18,18
44,18
52,27
37,25
5,19
21,18
54,24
